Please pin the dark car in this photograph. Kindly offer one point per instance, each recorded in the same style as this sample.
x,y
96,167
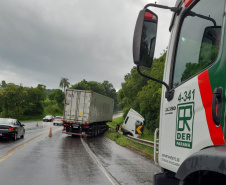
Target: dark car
x,y
48,118
11,128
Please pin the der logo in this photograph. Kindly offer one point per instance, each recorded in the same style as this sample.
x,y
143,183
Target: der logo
x,y
184,127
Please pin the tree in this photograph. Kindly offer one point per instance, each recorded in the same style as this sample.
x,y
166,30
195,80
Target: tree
x,y
3,84
48,91
91,86
16,101
104,88
13,100
143,95
110,92
58,96
35,100
64,83
83,85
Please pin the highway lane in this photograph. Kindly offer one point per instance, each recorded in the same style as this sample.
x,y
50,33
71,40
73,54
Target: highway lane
x,y
63,159
124,165
31,130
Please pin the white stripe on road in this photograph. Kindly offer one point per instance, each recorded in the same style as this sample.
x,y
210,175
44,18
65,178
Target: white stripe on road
x,y
99,164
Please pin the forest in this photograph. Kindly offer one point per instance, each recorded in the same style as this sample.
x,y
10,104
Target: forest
x,y
142,94
28,103
137,92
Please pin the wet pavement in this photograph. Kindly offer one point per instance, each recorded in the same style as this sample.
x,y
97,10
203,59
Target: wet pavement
x,y
123,164
66,160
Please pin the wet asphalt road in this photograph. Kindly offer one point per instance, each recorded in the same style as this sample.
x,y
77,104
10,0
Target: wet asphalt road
x,y
65,160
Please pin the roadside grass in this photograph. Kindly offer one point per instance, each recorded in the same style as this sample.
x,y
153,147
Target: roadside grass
x,y
30,117
115,122
147,134
36,117
123,141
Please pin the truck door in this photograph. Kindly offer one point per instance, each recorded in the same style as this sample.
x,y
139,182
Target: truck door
x,y
196,73
83,104
69,114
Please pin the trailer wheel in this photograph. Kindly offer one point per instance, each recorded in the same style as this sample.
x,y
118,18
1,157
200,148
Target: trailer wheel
x,y
98,130
93,131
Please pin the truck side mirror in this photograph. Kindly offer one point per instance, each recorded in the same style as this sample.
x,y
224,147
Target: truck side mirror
x,y
144,38
144,42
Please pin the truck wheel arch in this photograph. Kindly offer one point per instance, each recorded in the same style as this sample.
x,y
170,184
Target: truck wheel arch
x,y
211,159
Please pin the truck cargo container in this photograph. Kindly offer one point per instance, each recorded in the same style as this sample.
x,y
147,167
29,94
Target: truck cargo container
x,y
86,112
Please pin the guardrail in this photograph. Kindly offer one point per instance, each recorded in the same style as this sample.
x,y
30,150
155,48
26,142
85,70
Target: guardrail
x,y
140,141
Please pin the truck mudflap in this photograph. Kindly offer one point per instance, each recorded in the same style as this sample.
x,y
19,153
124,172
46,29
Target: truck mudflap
x,y
166,178
78,134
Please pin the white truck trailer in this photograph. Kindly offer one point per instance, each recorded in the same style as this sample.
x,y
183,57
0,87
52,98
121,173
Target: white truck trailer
x,y
86,113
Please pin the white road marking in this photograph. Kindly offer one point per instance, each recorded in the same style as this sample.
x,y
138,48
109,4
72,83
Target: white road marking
x,y
99,164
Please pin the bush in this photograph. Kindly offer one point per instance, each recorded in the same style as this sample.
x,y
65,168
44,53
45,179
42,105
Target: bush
x,y
53,109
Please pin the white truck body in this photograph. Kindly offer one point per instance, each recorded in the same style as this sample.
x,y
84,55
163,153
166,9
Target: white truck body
x,y
129,125
87,107
192,134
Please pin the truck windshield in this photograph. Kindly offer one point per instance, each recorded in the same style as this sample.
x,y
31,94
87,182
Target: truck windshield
x,y
199,39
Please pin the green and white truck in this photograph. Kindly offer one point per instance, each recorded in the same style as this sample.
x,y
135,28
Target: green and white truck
x,y
192,127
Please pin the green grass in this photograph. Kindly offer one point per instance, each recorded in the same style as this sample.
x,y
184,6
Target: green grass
x,y
123,141
36,117
147,135
30,118
115,122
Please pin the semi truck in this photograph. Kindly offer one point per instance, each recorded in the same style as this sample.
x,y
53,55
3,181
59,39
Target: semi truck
x,y
86,113
133,124
192,124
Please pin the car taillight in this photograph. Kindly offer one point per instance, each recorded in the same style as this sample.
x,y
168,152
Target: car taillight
x,y
86,126
66,125
11,128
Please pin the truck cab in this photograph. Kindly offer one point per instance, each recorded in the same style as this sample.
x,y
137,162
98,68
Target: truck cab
x,y
133,122
192,129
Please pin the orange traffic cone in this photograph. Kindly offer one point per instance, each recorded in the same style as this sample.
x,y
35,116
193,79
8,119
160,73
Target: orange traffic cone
x,y
37,124
50,132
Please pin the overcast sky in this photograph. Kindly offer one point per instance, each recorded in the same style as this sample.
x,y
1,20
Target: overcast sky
x,y
44,40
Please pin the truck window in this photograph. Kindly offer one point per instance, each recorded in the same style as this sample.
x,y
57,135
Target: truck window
x,y
126,119
199,39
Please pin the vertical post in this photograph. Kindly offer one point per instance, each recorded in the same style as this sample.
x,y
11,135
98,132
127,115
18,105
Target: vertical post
x,y
156,151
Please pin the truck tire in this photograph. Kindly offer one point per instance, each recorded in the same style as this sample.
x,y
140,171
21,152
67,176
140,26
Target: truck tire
x,y
98,130
93,131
